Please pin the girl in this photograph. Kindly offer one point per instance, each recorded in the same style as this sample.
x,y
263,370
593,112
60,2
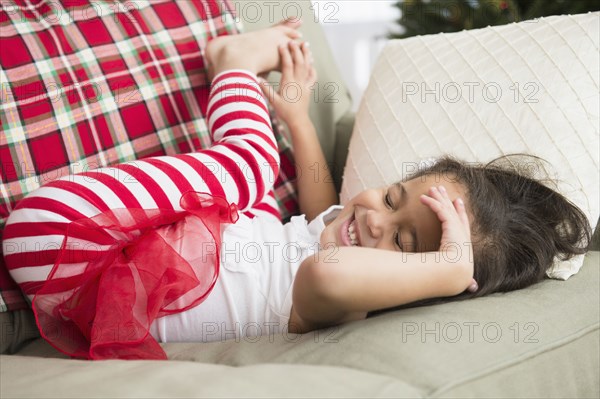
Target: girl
x,y
187,248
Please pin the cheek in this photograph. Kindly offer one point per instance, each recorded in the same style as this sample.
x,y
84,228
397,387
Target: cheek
x,y
428,226
433,230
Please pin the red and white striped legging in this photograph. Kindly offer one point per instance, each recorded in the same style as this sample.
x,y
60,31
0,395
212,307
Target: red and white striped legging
x,y
241,167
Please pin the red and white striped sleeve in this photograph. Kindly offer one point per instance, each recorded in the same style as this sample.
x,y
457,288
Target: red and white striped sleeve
x,y
241,166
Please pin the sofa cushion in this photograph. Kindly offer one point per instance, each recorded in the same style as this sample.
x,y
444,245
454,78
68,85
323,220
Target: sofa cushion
x,y
87,84
541,341
528,87
137,379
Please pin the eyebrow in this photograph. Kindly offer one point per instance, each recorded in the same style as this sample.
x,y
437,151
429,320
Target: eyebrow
x,y
403,199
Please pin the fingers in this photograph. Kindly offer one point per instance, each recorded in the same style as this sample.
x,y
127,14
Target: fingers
x,y
296,60
312,72
440,203
287,64
297,56
312,76
307,53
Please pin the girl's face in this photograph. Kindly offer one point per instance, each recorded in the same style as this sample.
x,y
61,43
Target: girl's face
x,y
392,217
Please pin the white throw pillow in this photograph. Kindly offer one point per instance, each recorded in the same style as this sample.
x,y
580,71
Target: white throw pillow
x,y
528,87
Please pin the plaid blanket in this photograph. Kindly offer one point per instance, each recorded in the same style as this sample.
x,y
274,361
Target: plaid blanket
x,y
86,84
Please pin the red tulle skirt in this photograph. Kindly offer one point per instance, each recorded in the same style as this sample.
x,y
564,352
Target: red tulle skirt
x,y
120,270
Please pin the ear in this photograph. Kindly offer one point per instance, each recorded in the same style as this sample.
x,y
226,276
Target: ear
x,y
473,287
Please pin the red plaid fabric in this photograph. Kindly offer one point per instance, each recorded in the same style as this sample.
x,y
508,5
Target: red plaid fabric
x,y
86,84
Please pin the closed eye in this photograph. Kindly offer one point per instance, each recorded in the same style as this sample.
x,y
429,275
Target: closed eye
x,y
398,241
388,201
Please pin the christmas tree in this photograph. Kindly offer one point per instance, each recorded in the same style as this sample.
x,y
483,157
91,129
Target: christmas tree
x,y
422,17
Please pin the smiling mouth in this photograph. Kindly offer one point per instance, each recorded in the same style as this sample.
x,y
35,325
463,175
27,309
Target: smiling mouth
x,y
353,234
349,233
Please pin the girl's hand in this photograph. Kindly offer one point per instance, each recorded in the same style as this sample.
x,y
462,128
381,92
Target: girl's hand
x,y
298,75
456,230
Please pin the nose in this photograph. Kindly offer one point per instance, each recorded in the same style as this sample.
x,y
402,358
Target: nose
x,y
375,223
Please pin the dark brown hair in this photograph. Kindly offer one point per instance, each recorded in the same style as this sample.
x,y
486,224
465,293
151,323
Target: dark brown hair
x,y
520,224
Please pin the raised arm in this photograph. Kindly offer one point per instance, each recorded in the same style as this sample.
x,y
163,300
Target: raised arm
x,y
343,284
340,284
316,191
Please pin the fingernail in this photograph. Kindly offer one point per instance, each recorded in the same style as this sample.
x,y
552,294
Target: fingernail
x,y
460,202
442,189
307,44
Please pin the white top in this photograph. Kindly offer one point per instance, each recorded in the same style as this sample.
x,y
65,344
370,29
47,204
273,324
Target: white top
x,y
253,293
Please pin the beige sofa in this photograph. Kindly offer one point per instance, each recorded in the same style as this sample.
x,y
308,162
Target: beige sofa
x,y
542,341
538,342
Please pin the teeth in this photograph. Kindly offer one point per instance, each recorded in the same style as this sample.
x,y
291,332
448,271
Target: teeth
x,y
352,234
